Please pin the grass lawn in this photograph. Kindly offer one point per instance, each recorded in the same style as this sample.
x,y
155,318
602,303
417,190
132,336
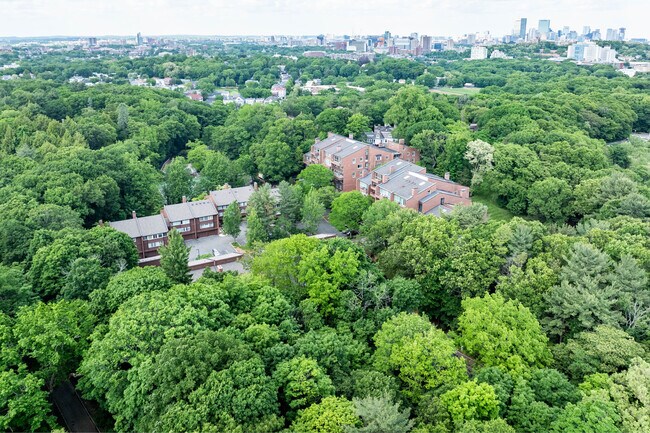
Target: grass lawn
x,y
456,90
495,211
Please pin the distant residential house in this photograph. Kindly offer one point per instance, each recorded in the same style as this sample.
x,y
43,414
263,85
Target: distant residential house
x,y
278,90
194,96
193,219
410,186
148,233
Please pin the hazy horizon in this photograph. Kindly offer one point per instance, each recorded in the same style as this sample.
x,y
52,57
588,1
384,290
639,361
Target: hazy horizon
x,y
72,18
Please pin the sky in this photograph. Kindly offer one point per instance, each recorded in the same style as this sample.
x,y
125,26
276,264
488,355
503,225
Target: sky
x,y
312,17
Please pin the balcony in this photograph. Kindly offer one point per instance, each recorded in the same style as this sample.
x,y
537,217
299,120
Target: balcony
x,y
338,174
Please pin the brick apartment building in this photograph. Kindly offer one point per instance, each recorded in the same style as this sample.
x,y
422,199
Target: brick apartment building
x,y
410,186
148,233
382,136
223,197
349,159
193,219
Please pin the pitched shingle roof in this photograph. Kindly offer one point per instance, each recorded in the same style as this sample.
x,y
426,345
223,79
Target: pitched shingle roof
x,y
226,196
141,226
189,210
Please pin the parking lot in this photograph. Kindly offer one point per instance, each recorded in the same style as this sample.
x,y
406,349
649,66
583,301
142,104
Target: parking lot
x,y
222,244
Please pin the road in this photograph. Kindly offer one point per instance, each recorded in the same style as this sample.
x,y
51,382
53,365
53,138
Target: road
x,y
72,409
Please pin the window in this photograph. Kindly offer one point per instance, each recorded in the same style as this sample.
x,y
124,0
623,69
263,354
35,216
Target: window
x,y
378,157
206,225
183,229
354,160
442,200
154,244
156,236
206,218
180,223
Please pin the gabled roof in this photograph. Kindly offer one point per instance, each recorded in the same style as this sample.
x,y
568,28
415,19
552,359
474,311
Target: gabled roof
x,y
202,208
152,225
141,226
226,196
130,227
190,210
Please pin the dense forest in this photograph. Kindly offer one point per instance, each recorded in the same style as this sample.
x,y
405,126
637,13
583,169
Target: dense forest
x,y
528,311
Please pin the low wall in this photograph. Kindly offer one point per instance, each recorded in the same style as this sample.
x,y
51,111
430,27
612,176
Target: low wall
x,y
197,264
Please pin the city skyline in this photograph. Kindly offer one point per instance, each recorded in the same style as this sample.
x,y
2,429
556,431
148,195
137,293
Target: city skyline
x,y
30,18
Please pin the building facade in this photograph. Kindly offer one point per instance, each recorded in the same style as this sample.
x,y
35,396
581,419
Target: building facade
x,y
348,159
193,220
148,233
410,186
478,53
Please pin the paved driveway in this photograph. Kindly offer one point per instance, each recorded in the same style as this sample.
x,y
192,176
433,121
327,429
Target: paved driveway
x,y
207,245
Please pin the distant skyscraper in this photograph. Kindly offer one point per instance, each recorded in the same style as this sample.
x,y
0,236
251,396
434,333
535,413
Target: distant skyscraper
x,y
586,30
621,34
138,39
544,27
92,42
426,44
611,35
520,28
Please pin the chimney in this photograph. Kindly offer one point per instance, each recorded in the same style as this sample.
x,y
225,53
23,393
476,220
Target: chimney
x,y
329,134
391,169
446,175
384,178
414,192
255,186
350,136
401,141
133,214
338,148
184,199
